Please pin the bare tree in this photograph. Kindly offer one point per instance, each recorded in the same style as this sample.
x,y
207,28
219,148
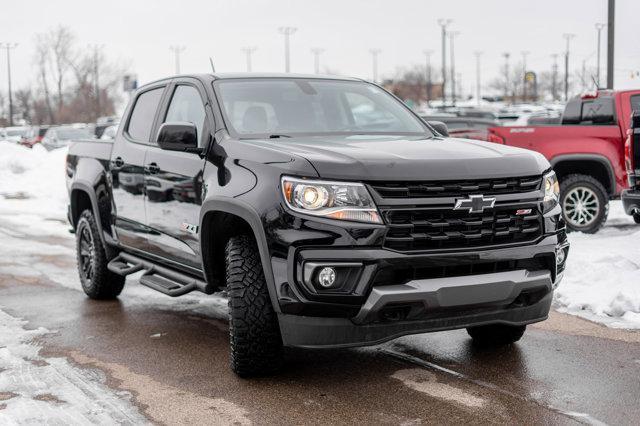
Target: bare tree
x,y
60,44
24,103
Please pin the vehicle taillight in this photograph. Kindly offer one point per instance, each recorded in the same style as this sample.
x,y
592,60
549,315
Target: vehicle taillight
x,y
494,137
628,157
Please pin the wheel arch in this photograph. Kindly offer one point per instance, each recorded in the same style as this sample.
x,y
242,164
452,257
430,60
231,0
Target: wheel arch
x,y
594,165
220,219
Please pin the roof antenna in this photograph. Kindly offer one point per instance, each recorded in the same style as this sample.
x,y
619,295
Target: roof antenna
x,y
213,69
595,83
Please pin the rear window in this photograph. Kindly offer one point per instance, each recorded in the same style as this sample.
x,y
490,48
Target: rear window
x,y
599,111
635,103
143,113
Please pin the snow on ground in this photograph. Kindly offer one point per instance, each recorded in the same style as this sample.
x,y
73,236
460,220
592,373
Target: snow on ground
x,y
601,282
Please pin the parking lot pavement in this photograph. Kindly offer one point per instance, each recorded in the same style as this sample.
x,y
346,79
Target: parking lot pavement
x,y
147,356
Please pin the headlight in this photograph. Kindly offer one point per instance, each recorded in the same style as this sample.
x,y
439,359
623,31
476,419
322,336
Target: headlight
x,y
334,200
551,191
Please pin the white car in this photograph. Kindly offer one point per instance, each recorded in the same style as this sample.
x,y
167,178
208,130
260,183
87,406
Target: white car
x,y
15,134
58,137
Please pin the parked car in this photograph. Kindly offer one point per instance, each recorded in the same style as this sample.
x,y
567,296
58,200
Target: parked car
x,y
60,136
3,135
465,127
631,196
586,151
15,133
34,135
328,223
108,133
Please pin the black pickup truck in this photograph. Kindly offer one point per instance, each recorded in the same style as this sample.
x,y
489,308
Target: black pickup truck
x,y
330,213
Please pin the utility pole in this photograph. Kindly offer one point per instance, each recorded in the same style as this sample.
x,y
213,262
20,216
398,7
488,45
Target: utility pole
x,y
286,32
248,51
506,74
525,53
554,77
427,55
611,32
317,51
452,36
568,37
177,50
443,24
374,57
478,79
9,47
599,28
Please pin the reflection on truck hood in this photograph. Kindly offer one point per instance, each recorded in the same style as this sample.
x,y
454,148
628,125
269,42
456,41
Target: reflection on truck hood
x,y
411,158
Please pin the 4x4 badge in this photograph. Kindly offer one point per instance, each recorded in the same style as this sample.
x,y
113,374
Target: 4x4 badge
x,y
475,203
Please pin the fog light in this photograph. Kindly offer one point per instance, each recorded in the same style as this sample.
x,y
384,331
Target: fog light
x,y
327,277
560,256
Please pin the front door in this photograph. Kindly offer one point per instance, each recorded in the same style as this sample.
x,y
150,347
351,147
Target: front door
x,y
127,169
173,181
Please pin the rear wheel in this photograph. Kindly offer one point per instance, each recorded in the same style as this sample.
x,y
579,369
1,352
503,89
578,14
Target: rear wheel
x,y
496,334
636,218
97,281
585,204
256,344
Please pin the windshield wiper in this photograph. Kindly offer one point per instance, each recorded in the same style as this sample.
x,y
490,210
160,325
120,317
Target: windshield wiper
x,y
277,136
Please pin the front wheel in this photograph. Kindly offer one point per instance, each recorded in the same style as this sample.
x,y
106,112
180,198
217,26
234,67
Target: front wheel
x,y
636,218
496,334
98,282
585,204
256,344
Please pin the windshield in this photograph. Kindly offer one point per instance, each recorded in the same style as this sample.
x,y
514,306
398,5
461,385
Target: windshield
x,y
65,134
289,107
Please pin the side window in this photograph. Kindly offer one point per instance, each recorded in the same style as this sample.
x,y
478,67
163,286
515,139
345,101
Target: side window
x,y
187,106
635,103
144,111
572,112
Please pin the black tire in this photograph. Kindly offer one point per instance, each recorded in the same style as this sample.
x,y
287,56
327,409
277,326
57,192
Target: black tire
x,y
636,218
256,344
496,334
576,184
97,281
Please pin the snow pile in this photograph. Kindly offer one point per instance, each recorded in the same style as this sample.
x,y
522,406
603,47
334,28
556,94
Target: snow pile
x,y
602,279
32,181
39,390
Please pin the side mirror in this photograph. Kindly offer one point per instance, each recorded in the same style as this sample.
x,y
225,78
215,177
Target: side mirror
x,y
178,136
440,127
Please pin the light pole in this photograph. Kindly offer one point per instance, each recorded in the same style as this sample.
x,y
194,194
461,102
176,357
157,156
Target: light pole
x,y
524,53
248,51
568,37
177,50
611,32
286,32
427,55
96,74
452,36
317,51
599,28
443,24
374,57
554,77
506,74
9,47
478,79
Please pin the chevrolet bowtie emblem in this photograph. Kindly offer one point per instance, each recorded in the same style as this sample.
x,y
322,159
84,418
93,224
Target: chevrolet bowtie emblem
x,y
475,203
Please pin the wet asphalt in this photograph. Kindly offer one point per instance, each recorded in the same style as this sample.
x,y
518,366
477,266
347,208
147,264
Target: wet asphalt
x,y
171,355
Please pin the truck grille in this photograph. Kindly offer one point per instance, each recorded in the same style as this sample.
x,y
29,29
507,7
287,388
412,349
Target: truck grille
x,y
456,188
412,228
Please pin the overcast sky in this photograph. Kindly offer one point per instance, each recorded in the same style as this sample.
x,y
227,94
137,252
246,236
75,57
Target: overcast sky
x,y
139,33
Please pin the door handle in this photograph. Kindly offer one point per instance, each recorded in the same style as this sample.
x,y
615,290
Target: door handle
x,y
119,162
153,168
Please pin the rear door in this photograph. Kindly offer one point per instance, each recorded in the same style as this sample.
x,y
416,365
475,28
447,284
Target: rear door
x,y
173,180
127,168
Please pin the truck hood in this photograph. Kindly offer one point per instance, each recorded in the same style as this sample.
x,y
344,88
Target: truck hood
x,y
411,158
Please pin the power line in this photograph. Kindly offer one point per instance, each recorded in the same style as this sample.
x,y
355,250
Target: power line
x,y
177,50
286,32
9,47
248,51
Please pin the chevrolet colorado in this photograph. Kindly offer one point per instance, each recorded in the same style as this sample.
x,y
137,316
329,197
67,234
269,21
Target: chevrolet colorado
x,y
586,152
332,215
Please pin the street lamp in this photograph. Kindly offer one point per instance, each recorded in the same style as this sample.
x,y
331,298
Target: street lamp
x,y
9,47
427,54
568,37
286,32
444,23
248,51
599,28
317,51
374,57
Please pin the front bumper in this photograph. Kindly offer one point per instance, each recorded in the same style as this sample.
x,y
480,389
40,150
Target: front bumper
x,y
394,306
631,201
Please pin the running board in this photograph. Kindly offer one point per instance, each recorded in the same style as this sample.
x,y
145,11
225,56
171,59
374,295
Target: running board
x,y
157,277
